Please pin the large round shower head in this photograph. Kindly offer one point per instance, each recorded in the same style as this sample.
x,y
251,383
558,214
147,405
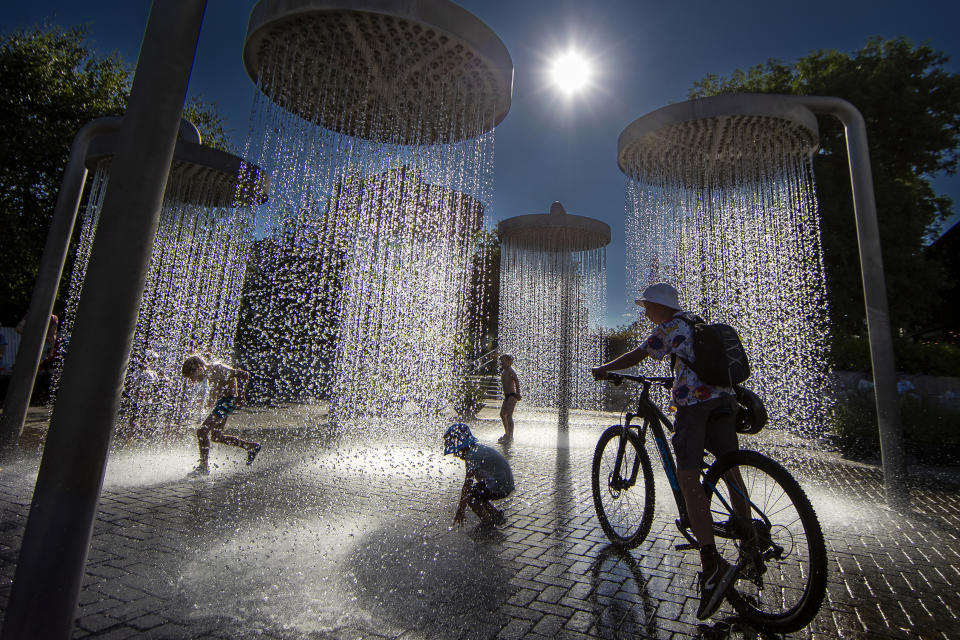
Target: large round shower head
x,y
396,71
200,174
555,231
714,141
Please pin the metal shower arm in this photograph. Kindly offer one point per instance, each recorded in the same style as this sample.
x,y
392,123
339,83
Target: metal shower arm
x,y
48,280
50,270
874,288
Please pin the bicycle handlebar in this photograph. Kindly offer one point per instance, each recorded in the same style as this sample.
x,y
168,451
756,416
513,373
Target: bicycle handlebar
x,y
617,378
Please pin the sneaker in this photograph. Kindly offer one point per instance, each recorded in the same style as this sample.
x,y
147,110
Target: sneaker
x,y
252,454
199,470
714,587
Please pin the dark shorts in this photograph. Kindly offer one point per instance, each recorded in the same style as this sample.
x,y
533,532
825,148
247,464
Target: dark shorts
x,y
479,491
704,426
224,407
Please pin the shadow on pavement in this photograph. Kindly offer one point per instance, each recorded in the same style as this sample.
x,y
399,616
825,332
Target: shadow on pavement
x,y
623,606
732,627
439,585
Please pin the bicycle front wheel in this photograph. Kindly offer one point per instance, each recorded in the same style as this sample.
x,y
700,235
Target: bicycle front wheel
x,y
624,500
779,546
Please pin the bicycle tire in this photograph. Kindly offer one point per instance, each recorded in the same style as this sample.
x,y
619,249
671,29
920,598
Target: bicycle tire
x,y
772,601
625,522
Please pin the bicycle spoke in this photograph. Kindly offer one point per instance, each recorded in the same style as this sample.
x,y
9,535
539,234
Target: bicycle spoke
x,y
624,503
776,585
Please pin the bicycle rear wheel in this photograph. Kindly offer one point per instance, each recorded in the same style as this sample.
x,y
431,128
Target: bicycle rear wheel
x,y
624,504
780,547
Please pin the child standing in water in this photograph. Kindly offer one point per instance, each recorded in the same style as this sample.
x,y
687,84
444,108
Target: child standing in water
x,y
227,385
511,395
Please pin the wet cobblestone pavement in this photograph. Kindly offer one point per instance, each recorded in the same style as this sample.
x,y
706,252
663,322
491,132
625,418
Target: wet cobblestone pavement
x,y
348,538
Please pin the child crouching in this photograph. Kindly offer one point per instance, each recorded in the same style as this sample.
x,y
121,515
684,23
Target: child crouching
x,y
488,475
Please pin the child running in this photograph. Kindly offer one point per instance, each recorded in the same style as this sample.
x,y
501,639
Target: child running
x,y
511,395
488,478
227,385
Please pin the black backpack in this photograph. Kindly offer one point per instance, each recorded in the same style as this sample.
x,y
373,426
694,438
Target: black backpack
x,y
718,355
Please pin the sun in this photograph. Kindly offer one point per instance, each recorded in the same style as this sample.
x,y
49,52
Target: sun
x,y
570,72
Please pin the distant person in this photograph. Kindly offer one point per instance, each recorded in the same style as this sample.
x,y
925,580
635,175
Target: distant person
x,y
705,420
48,357
511,395
488,475
227,387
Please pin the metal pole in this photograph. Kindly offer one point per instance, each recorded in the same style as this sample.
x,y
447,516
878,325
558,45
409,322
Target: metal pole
x,y
874,292
53,553
48,276
48,281
564,391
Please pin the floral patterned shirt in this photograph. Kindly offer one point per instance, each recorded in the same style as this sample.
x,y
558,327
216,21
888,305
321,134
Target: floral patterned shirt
x,y
676,337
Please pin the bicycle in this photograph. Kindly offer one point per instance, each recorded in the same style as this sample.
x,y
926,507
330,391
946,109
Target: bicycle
x,y
778,543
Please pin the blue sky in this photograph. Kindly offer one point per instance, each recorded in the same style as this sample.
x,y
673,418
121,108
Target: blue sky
x,y
647,54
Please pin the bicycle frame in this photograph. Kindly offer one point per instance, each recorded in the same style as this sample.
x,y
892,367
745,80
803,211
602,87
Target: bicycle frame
x,y
657,424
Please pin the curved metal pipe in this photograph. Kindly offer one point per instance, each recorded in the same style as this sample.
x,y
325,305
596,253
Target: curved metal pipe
x,y
874,291
188,132
48,281
51,269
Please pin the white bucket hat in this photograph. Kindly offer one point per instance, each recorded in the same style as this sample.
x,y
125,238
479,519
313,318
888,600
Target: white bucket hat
x,y
661,293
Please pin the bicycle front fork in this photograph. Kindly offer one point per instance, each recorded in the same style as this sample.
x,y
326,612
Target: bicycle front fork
x,y
618,482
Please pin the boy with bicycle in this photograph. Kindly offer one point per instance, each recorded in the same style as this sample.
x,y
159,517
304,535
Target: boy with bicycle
x,y
705,420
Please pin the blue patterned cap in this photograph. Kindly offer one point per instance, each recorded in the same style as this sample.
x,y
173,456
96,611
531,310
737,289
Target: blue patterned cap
x,y
458,436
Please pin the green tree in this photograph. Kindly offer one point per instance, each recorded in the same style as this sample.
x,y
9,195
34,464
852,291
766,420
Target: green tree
x,y
911,105
623,339
51,84
209,123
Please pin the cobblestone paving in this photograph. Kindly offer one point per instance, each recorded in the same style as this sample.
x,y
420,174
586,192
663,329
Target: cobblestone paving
x,y
348,538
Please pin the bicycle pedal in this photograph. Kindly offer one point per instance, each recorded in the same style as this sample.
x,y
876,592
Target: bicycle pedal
x,y
685,546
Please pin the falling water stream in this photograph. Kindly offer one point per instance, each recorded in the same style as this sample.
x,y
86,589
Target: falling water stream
x,y
552,307
358,288
191,297
737,231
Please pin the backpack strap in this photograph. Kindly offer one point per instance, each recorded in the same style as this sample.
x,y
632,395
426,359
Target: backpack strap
x,y
692,322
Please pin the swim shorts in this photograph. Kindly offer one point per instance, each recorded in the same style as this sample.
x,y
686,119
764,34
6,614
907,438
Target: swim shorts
x,y
480,491
224,407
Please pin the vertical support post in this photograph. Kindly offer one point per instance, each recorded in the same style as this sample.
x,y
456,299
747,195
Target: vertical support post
x,y
53,554
564,392
874,292
48,281
48,276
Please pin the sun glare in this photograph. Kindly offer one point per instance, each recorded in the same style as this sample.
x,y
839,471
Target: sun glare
x,y
570,72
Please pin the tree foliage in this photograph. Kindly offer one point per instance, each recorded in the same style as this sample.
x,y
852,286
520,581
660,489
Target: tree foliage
x,y
623,338
51,84
911,106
